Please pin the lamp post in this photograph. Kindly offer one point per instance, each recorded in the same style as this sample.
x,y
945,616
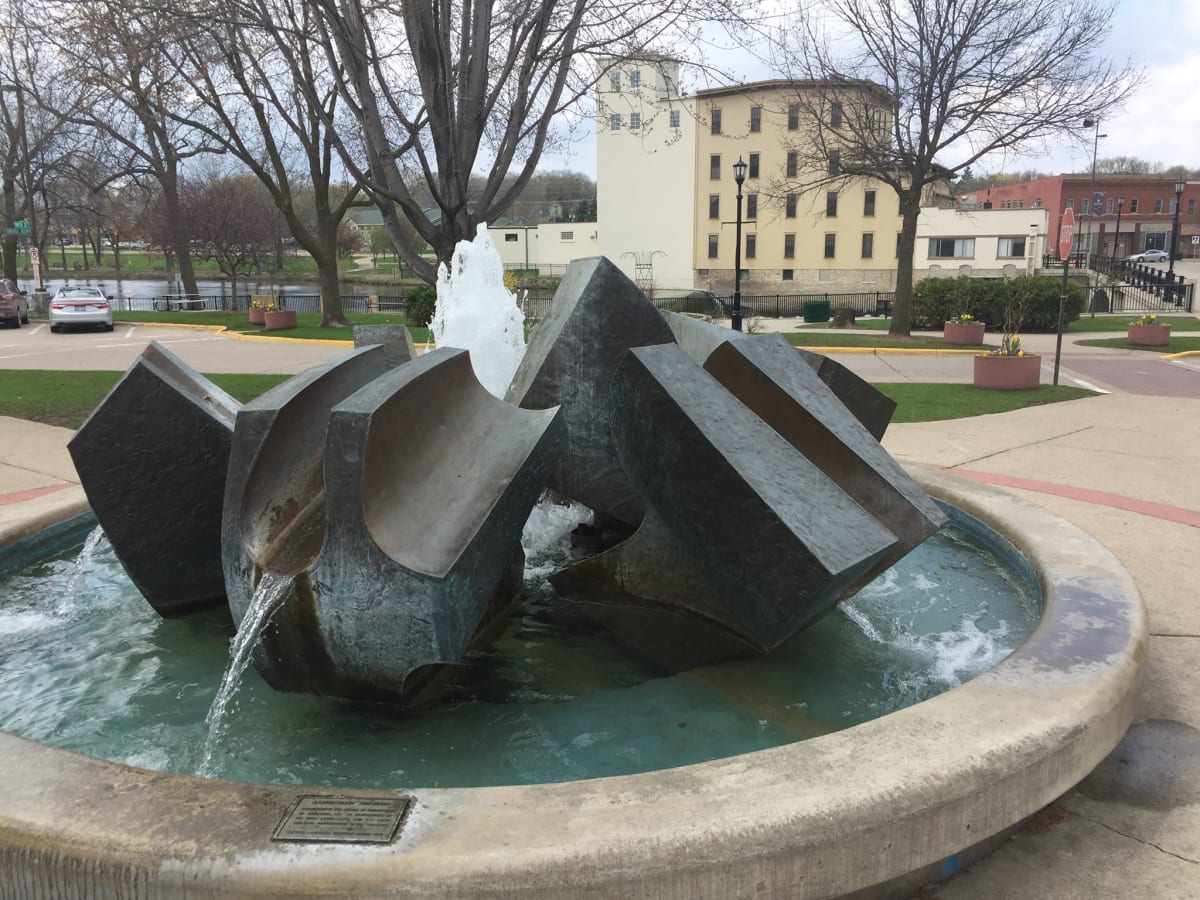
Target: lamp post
x,y
1180,185
739,175
1093,123
1117,239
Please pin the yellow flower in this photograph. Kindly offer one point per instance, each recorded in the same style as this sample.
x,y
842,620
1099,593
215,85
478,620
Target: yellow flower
x,y
1020,353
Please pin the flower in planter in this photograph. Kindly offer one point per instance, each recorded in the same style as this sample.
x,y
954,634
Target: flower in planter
x,y
1146,320
962,319
1010,345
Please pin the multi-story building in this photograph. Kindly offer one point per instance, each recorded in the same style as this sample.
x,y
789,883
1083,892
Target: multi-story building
x,y
838,234
645,172
1144,206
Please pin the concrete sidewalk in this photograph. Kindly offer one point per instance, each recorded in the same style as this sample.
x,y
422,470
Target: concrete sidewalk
x,y
1125,467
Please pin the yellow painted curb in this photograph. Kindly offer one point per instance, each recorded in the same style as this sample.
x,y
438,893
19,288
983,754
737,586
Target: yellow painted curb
x,y
183,325
884,351
1182,354
272,339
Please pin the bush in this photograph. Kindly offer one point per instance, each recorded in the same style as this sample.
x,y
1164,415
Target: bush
x,y
937,299
419,305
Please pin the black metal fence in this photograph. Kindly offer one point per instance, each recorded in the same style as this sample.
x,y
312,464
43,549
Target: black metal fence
x,y
786,306
1136,287
391,303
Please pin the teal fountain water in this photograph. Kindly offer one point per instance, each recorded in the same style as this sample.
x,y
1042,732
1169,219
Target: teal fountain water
x,y
88,666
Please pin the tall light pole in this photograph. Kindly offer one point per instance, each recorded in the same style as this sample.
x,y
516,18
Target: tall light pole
x,y
1117,239
1180,186
1093,123
739,175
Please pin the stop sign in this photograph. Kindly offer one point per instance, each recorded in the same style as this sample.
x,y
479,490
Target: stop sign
x,y
1066,234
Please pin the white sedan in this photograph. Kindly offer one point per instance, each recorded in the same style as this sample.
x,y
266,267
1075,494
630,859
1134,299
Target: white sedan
x,y
80,306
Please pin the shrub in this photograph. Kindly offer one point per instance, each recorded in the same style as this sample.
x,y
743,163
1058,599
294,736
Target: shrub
x,y
938,300
419,305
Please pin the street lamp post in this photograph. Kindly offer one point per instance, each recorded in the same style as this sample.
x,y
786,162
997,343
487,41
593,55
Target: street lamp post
x,y
1117,239
739,175
1180,185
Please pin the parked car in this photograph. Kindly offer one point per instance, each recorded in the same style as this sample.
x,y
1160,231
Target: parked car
x,y
1149,256
73,306
14,308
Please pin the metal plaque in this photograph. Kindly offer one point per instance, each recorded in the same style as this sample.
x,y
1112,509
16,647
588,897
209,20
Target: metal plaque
x,y
342,820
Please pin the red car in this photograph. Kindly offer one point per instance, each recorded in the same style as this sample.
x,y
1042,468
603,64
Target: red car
x,y
14,308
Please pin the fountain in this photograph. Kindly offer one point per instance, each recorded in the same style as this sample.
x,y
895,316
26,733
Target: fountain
x,y
315,504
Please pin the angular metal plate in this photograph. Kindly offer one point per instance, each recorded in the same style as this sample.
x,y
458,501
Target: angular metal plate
x,y
342,820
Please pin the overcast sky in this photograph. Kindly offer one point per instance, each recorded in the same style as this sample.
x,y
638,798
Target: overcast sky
x,y
1161,123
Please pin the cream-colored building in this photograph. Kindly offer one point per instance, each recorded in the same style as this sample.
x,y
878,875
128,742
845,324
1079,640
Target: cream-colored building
x,y
837,236
549,246
980,242
645,172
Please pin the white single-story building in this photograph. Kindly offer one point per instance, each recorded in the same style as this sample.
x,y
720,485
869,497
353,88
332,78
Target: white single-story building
x,y
980,242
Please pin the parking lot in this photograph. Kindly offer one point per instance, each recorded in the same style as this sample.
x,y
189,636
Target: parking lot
x,y
35,347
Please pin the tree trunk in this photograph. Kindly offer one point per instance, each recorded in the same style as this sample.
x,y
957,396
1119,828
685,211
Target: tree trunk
x,y
331,297
10,216
179,234
910,209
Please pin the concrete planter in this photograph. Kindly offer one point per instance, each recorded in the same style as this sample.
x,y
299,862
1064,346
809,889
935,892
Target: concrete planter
x,y
279,319
1149,335
1008,373
257,315
968,335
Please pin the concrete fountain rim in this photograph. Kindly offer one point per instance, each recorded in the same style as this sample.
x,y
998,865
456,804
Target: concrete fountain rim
x,y
825,817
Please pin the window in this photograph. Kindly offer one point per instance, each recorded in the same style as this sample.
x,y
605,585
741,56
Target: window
x,y
751,245
793,116
714,206
868,203
1108,208
1158,204
830,245
1133,205
510,238
1071,204
791,164
635,78
752,206
786,274
1083,206
1191,207
674,118
714,167
835,162
1171,210
756,118
789,246
951,248
712,246
831,204
614,122
567,235
614,80
752,171
835,115
635,121
868,245
716,121
1011,247
790,206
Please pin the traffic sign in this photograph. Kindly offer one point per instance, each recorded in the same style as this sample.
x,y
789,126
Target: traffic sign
x,y
1066,234
35,255
1196,238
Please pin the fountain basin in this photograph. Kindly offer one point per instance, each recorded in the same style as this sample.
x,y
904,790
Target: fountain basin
x,y
838,814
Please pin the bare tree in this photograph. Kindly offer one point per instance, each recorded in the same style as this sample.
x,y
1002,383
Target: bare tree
x,y
232,223
443,89
925,88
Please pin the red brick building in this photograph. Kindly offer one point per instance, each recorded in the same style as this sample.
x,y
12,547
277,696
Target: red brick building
x,y
1146,204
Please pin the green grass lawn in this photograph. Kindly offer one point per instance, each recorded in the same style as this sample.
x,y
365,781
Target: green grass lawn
x,y
309,324
916,402
927,341
1176,345
1084,324
67,398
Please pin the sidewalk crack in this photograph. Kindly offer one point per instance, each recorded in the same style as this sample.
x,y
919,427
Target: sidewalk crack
x,y
1045,440
1117,831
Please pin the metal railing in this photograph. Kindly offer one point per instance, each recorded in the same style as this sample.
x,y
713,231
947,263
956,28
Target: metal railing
x,y
786,306
1137,287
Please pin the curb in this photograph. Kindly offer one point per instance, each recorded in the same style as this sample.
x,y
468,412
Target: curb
x,y
885,351
1182,354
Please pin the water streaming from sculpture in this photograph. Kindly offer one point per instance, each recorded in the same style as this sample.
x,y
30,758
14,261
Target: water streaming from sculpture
x,y
739,483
